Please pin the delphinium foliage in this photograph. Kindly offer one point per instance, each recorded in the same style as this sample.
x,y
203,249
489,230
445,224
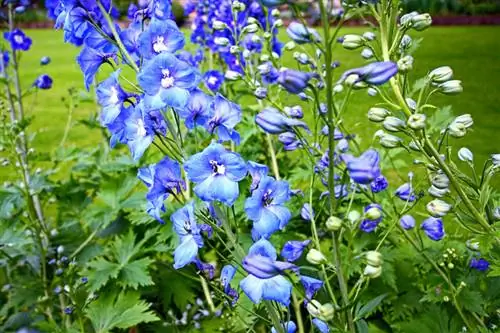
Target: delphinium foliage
x,y
258,194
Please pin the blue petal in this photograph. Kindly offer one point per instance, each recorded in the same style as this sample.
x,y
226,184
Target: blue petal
x,y
186,252
277,289
252,287
175,97
263,248
321,325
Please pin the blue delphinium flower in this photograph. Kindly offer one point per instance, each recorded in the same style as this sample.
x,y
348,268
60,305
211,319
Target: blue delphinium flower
x,y
290,141
379,184
369,224
289,327
301,34
266,207
365,168
226,276
307,212
272,121
90,60
433,228
159,37
198,109
213,80
18,40
271,285
225,116
479,264
110,97
257,172
376,73
43,82
407,222
405,192
321,325
311,286
217,173
294,81
292,250
167,81
190,239
162,179
45,61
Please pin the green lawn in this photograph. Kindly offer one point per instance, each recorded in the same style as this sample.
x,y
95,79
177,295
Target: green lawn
x,y
472,52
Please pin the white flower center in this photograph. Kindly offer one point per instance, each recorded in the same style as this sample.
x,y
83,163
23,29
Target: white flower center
x,y
113,96
159,45
141,130
18,39
218,169
167,81
212,80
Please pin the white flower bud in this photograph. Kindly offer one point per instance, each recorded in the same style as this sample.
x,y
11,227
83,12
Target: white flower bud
x,y
252,20
371,91
315,257
333,223
60,249
405,64
417,121
441,74
352,42
313,307
275,12
278,23
264,57
246,53
457,130
377,114
373,272
219,25
255,39
390,141
452,87
338,88
405,20
393,124
221,41
353,216
437,192
251,28
414,146
438,208
405,43
268,35
465,119
374,258
232,75
465,155
373,213
369,36
367,53
234,49
421,22
239,6
440,180
290,45
326,312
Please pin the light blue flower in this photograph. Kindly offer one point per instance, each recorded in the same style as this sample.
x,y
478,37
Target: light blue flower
x,y
159,37
289,327
226,115
110,97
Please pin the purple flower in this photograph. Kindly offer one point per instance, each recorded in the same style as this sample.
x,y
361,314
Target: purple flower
x,y
257,171
198,109
433,228
321,325
294,81
289,140
311,286
292,250
405,192
376,73
479,264
363,169
294,112
226,115
272,121
407,222
18,40
379,184
90,60
110,97
226,276
43,82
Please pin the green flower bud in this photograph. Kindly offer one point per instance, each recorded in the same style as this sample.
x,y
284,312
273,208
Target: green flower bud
x,y
377,114
406,19
264,57
353,216
352,42
239,6
268,35
372,272
417,121
390,141
373,213
278,23
326,312
405,64
441,74
252,20
290,45
457,130
374,258
413,145
219,25
438,208
275,12
421,22
234,49
333,223
452,87
251,28
393,124
315,257
221,41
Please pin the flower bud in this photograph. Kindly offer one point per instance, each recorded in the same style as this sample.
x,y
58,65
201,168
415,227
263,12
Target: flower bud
x,y
452,87
373,213
353,216
465,119
405,64
371,91
441,74
457,130
315,257
252,20
290,45
393,124
405,43
406,19
219,25
234,49
338,88
352,42
221,41
275,12
272,121
437,192
390,141
278,23
465,155
440,180
264,57
260,93
367,53
251,28
232,75
438,208
326,312
471,245
369,36
313,307
377,114
333,223
421,22
60,249
374,258
417,121
239,6
407,222
373,272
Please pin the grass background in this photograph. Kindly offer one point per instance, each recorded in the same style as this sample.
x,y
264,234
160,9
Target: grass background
x,y
472,52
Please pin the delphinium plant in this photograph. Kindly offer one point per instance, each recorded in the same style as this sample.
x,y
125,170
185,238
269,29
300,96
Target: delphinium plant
x,y
288,219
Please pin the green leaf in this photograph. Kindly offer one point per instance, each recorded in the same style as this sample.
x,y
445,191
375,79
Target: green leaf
x,y
362,326
136,274
370,306
119,311
102,271
472,301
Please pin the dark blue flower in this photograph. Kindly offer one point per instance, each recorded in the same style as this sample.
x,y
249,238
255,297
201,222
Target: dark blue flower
x,y
162,179
292,250
90,60
257,172
273,288
266,207
268,73
159,37
190,239
213,80
216,172
405,192
289,140
167,81
18,40
198,109
45,61
433,228
43,82
272,121
369,223
131,10
226,276
407,222
379,184
289,327
321,325
294,81
363,169
225,116
479,264
311,286
110,97
301,34
376,73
